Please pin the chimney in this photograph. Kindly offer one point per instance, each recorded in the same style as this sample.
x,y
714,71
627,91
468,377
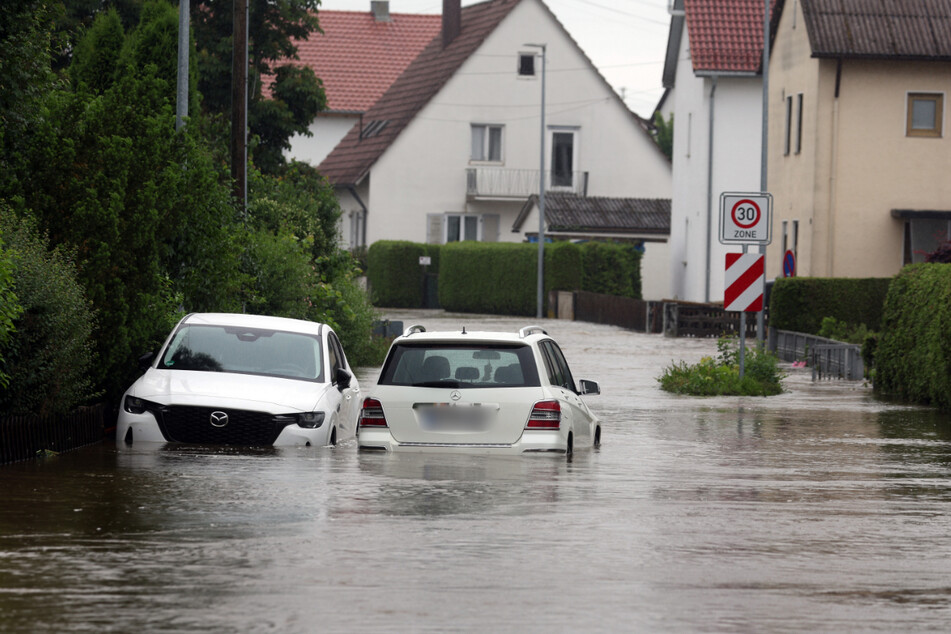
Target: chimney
x,y
451,21
380,10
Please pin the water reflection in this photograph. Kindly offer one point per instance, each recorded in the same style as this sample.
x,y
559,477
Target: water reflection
x,y
820,509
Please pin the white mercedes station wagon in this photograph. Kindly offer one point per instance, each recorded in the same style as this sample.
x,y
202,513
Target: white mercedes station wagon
x,y
488,392
248,380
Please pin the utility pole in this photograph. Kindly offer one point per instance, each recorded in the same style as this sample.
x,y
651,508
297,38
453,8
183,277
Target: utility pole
x,y
541,194
181,99
239,103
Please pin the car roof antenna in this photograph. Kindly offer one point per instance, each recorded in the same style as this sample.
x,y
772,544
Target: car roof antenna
x,y
464,330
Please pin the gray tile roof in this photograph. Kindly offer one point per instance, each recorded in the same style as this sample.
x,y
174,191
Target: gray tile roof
x,y
893,29
596,214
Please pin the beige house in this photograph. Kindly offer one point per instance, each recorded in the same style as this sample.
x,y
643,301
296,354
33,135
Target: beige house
x,y
859,162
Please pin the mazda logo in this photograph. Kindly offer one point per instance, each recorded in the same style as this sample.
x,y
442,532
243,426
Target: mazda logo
x,y
455,395
218,419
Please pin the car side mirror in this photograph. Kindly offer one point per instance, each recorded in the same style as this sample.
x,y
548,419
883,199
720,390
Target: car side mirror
x,y
343,379
590,387
145,361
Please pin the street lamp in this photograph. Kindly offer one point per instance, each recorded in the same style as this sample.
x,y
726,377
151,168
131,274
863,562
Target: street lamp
x,y
541,193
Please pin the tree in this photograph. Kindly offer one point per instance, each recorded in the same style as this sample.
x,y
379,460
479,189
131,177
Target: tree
x,y
296,93
664,133
147,209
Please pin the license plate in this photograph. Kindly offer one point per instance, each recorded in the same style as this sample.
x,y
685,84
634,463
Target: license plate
x,y
454,416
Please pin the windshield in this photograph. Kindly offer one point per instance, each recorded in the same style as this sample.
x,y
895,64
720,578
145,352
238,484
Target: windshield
x,y
460,366
246,351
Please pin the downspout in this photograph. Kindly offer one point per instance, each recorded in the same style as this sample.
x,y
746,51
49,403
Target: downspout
x,y
353,192
706,288
830,220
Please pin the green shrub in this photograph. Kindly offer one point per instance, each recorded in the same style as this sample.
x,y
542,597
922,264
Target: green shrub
x,y
10,307
563,267
50,357
394,273
611,269
833,328
800,303
913,357
495,277
720,376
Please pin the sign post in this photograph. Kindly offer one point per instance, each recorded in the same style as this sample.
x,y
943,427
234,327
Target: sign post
x,y
745,218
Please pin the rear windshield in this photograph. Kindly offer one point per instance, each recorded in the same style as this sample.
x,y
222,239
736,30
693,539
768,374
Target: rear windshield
x,y
245,351
460,366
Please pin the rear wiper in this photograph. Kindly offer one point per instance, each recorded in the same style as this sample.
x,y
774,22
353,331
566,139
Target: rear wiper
x,y
443,383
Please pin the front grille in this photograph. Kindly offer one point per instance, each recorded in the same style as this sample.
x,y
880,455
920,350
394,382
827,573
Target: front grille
x,y
193,425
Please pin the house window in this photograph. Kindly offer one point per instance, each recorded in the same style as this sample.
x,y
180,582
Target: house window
x,y
788,127
923,236
526,64
486,143
925,113
798,123
461,227
562,158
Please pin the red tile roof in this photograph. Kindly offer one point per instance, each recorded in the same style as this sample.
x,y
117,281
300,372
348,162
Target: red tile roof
x,y
726,35
349,162
358,57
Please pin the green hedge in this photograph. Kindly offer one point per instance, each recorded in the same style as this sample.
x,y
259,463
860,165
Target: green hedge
x,y
394,273
502,278
611,269
913,359
800,303
498,278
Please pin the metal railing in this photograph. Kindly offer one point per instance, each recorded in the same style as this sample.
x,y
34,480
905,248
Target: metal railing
x,y
23,437
503,182
828,358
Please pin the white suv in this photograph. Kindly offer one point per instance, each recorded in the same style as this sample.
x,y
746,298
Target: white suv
x,y
491,392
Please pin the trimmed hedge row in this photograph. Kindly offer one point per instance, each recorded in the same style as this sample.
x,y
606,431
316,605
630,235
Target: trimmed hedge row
x,y
801,303
394,272
500,277
913,360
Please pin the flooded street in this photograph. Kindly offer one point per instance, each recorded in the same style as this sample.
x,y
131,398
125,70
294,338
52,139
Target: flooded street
x,y
821,509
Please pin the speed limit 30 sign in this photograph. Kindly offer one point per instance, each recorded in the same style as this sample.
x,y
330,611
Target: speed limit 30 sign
x,y
746,218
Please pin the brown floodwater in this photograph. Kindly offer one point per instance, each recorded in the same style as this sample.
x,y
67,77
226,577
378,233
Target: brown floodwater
x,y
820,509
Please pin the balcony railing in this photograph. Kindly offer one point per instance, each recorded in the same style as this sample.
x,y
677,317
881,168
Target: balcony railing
x,y
501,182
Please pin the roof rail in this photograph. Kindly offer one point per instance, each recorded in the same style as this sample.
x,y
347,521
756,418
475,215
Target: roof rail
x,y
527,330
414,328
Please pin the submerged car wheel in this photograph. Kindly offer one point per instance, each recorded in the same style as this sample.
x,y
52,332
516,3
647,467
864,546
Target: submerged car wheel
x,y
333,437
569,449
597,436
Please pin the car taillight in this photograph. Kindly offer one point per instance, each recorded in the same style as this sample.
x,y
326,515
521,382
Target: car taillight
x,y
372,414
545,415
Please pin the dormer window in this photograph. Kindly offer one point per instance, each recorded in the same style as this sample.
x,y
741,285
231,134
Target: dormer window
x,y
526,64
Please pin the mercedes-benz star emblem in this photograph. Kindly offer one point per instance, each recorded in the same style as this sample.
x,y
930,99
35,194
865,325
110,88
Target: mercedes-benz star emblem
x,y
218,419
455,395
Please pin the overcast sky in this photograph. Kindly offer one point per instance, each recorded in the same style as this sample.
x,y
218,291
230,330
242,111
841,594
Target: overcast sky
x,y
626,39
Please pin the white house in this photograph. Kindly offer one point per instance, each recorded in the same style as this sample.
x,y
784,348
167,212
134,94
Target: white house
x,y
357,57
713,77
451,151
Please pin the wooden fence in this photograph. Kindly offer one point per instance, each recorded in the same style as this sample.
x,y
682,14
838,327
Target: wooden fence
x,y
673,318
23,437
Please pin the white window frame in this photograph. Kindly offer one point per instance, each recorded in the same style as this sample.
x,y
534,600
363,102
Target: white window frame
x,y
486,143
462,226
574,131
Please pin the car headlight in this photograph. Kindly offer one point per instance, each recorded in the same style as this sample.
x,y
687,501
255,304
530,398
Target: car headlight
x,y
135,405
310,420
